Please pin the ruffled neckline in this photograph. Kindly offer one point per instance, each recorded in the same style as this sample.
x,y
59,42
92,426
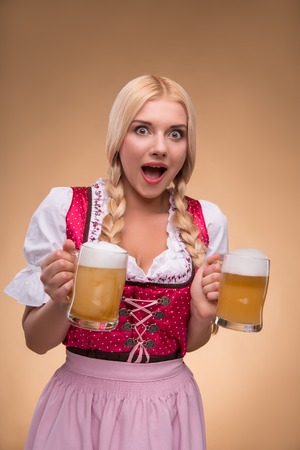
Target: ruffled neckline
x,y
172,266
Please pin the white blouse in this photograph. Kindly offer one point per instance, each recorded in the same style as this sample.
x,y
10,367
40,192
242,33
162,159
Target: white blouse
x,y
47,232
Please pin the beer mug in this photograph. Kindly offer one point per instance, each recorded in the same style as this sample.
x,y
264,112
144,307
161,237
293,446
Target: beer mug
x,y
98,285
243,288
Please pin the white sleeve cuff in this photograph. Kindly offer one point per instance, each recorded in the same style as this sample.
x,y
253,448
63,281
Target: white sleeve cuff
x,y
46,233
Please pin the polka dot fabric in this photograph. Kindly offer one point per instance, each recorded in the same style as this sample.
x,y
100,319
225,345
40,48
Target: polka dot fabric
x,y
153,317
194,208
77,214
163,333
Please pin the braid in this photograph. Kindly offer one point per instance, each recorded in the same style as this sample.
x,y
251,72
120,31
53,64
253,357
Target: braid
x,y
188,230
113,222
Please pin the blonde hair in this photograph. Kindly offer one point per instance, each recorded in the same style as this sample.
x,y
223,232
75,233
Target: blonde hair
x,y
127,104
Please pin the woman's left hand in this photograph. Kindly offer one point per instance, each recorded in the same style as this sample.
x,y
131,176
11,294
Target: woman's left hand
x,y
205,289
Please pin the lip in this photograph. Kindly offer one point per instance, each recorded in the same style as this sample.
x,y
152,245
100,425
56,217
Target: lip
x,y
154,181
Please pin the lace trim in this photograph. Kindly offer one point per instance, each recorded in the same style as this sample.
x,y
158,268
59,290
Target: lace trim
x,y
161,270
99,209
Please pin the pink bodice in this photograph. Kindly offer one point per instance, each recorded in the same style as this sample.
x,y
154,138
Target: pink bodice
x,y
153,317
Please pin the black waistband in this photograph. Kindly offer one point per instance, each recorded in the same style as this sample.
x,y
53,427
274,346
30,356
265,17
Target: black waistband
x,y
121,356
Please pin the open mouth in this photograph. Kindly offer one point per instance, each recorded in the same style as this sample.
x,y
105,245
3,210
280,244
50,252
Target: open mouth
x,y
153,172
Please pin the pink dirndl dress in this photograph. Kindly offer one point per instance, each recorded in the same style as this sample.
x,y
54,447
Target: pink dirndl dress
x,y
147,401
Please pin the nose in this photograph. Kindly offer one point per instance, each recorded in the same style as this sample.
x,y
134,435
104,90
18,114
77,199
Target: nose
x,y
159,147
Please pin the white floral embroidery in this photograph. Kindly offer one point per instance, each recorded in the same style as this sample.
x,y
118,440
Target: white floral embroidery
x,y
173,266
99,209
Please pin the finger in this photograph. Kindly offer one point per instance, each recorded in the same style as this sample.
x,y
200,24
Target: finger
x,y
213,286
212,269
211,283
212,296
212,264
57,255
51,268
60,292
56,275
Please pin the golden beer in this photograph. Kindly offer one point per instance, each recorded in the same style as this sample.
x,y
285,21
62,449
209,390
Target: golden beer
x,y
98,292
98,286
241,298
243,288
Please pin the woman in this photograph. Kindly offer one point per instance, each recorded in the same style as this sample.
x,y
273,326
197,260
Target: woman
x,y
128,388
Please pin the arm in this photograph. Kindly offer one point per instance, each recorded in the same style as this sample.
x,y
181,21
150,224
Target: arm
x,y
46,326
205,286
204,292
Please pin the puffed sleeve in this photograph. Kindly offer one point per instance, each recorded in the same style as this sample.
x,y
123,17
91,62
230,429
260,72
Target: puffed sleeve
x,y
46,233
217,228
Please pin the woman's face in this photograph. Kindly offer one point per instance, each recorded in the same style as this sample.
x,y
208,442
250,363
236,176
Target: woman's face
x,y
155,147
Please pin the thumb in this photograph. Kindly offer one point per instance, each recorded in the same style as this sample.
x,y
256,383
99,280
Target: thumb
x,y
206,267
69,246
216,257
212,264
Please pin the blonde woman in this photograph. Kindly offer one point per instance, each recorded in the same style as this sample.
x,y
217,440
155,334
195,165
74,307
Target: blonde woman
x,y
128,388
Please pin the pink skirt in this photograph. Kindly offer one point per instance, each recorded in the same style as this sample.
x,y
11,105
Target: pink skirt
x,y
94,404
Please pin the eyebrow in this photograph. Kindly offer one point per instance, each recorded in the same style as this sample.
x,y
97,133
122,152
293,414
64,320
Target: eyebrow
x,y
149,123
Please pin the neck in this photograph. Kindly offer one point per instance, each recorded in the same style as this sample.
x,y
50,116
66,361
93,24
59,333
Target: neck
x,y
139,204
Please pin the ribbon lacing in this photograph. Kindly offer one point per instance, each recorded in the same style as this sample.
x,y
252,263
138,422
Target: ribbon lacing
x,y
140,322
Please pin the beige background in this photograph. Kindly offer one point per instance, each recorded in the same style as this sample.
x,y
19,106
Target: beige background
x,y
62,64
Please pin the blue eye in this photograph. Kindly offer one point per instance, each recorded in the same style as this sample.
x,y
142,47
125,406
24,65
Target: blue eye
x,y
176,134
141,130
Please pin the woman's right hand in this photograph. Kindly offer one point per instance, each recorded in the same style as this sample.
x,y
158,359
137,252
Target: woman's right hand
x,y
58,272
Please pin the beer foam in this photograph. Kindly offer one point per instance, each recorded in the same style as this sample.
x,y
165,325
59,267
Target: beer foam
x,y
246,261
102,255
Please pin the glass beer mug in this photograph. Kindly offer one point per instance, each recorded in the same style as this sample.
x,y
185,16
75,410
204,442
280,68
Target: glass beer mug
x,y
243,288
98,285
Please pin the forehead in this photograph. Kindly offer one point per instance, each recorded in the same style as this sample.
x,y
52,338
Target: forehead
x,y
162,108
